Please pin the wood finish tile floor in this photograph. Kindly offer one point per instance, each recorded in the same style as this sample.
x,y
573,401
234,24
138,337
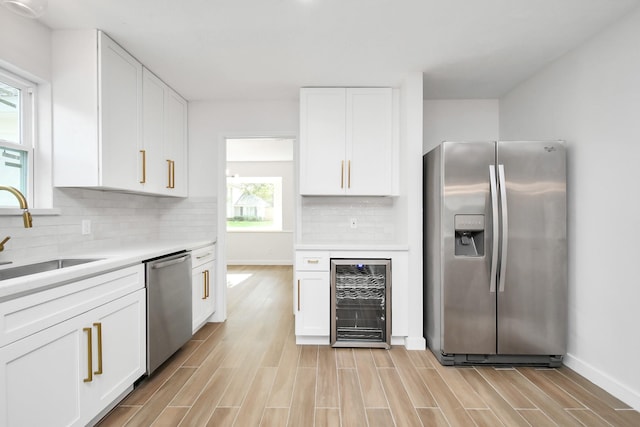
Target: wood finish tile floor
x,y
248,371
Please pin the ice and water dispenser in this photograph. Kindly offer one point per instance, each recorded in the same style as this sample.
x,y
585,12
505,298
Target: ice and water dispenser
x,y
469,235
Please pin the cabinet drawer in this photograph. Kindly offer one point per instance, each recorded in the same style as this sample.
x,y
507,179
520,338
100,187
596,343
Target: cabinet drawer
x,y
27,315
312,261
203,255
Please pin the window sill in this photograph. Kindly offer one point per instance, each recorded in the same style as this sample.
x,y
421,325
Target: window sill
x,y
34,212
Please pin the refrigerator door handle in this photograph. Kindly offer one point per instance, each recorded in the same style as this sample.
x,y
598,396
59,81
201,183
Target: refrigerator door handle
x,y
505,226
493,275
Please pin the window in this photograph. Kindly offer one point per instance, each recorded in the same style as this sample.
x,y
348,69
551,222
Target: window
x,y
16,137
254,203
259,179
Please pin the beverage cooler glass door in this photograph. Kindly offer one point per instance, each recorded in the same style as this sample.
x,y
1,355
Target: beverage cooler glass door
x,y
361,303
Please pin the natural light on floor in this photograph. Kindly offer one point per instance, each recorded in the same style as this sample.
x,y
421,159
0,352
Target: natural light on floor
x,y
234,279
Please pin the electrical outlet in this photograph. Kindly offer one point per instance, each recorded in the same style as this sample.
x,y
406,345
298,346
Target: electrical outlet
x,y
354,222
86,226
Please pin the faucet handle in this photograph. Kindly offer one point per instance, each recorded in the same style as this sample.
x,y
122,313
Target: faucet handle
x,y
27,219
6,239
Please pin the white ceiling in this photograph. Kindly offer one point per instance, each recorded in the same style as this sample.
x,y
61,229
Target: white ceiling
x,y
267,49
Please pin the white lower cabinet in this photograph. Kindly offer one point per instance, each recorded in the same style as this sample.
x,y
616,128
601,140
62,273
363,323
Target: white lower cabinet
x,y
68,373
123,349
311,298
41,378
203,282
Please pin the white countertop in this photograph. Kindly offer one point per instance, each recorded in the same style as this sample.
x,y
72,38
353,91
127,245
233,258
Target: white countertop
x,y
360,247
112,258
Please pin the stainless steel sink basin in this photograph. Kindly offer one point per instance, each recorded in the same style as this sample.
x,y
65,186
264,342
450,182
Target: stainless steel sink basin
x,y
40,267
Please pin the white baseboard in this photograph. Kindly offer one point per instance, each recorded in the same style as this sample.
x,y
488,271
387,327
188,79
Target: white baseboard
x,y
312,340
415,343
605,381
260,262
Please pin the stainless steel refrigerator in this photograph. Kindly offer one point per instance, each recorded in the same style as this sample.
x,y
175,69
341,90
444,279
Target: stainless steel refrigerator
x,y
495,252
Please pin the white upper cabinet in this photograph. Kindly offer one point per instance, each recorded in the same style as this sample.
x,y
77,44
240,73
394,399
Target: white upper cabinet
x,y
174,147
164,143
347,141
110,123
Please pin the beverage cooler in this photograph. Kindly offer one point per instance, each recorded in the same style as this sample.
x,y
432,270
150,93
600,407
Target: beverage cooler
x,y
361,303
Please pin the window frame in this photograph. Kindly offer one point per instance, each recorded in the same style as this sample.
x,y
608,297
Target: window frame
x,y
28,120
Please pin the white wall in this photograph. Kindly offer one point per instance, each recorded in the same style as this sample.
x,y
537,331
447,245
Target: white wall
x,y
25,47
459,120
410,199
272,247
591,98
210,122
26,50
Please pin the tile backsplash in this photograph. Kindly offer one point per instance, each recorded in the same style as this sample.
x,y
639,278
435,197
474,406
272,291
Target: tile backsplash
x,y
116,219
328,220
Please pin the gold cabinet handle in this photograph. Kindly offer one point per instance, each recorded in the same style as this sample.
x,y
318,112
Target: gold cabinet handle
x,y
98,326
89,356
342,174
144,166
298,294
349,175
208,282
313,261
204,284
171,173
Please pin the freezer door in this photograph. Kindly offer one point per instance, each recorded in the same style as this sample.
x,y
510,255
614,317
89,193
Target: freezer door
x,y
468,304
532,301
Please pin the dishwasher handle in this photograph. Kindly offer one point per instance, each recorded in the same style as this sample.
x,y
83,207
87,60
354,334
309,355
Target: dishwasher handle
x,y
163,264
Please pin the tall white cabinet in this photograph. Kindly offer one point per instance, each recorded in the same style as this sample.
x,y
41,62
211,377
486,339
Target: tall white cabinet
x,y
112,128
347,141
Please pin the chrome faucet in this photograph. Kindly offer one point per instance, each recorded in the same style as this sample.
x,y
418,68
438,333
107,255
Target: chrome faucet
x,y
26,215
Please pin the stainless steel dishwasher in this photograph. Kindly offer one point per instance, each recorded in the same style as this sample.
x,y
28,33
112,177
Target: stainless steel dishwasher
x,y
168,306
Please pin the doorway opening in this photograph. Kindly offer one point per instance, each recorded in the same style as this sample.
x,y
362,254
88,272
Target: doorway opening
x,y
260,200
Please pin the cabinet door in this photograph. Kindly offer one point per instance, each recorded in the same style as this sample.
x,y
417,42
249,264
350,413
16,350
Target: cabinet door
x,y
369,141
311,296
119,348
59,376
151,170
203,282
41,378
175,144
322,141
120,109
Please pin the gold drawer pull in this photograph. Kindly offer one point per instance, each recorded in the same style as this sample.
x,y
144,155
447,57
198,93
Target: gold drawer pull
x,y
205,284
313,261
208,283
99,328
89,356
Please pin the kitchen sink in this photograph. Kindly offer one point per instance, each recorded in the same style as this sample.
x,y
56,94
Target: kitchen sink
x,y
40,267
